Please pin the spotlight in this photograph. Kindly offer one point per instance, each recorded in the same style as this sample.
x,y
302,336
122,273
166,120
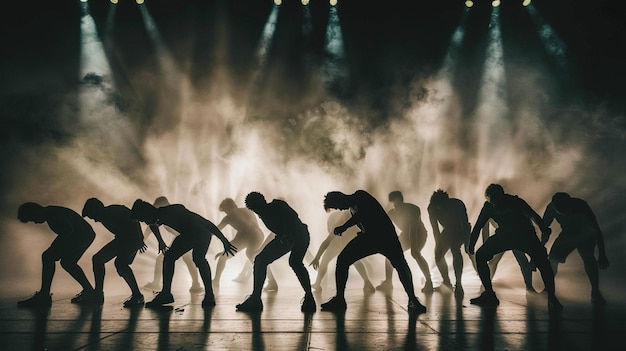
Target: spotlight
x,y
526,2
83,0
333,2
139,2
469,3
304,2
278,2
114,1
495,3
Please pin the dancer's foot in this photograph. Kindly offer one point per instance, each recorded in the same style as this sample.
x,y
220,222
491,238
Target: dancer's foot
x,y
134,300
416,307
251,304
36,300
335,304
486,299
161,299
308,303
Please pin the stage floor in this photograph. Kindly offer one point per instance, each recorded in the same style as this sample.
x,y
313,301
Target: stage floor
x,y
373,321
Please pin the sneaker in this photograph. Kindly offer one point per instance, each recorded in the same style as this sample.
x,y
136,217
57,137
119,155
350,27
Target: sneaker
x,y
308,304
208,301
134,300
89,298
251,304
196,289
36,300
334,304
161,299
485,299
416,307
554,305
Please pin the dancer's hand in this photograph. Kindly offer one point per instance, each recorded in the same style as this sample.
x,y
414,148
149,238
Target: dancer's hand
x,y
143,248
229,249
339,230
163,247
315,263
470,249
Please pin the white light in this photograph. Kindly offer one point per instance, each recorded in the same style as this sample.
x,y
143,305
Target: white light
x,y
139,2
113,1
278,2
83,0
495,3
333,2
305,2
469,3
526,2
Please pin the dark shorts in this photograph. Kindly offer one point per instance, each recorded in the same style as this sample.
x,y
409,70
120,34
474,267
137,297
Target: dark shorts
x,y
70,248
569,241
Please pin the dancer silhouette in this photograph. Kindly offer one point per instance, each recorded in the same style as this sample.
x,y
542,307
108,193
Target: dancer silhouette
x,y
451,215
579,231
332,246
515,231
195,234
378,235
74,236
248,236
291,236
155,284
128,240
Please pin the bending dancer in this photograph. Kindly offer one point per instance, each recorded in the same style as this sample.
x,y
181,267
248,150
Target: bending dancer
x,y
580,231
128,240
329,251
451,214
248,236
408,218
515,232
526,267
195,235
155,284
291,236
378,235
74,235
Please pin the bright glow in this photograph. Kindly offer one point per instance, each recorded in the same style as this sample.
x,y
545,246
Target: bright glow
x,y
305,2
139,2
83,0
469,3
549,38
333,2
495,3
114,1
334,67
526,2
278,2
